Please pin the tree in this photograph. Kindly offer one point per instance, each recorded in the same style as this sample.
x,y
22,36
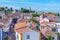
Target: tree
x,y
58,14
22,9
14,20
11,9
1,8
6,7
5,12
38,28
34,20
32,11
49,37
25,10
16,10
50,13
36,15
8,10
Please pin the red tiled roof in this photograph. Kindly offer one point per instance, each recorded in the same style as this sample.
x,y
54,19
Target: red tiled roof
x,y
47,32
4,21
49,14
53,20
20,25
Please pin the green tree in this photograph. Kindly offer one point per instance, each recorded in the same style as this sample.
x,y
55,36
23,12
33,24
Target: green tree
x,y
34,20
25,10
50,13
11,9
49,38
36,15
22,9
38,25
6,7
58,14
1,8
5,12
32,11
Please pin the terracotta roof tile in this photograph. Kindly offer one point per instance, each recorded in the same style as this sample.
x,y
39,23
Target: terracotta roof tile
x,y
20,25
53,20
22,20
47,32
44,20
12,15
49,15
4,21
49,24
23,30
27,14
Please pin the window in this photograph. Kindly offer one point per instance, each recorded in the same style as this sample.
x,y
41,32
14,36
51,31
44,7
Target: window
x,y
52,37
17,36
28,36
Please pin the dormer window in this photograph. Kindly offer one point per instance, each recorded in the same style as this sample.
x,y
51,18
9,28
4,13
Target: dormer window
x,y
0,17
28,24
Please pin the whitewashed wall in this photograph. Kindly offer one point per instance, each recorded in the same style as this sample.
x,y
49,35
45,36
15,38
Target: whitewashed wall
x,y
0,34
33,35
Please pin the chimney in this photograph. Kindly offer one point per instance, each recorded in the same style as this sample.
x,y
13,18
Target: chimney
x,y
37,26
28,24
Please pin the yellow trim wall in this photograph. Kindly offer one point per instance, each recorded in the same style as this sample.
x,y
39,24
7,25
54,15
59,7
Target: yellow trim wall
x,y
20,36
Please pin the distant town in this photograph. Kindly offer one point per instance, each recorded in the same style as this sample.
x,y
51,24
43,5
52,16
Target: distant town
x,y
28,24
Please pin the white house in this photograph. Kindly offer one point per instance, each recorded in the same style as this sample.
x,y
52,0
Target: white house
x,y
27,16
2,14
58,27
23,32
0,34
28,35
44,20
31,35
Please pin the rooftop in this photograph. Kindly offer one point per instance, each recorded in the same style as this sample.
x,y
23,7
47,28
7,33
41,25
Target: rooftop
x,y
46,32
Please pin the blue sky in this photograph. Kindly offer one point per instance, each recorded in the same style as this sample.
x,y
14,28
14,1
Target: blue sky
x,y
41,5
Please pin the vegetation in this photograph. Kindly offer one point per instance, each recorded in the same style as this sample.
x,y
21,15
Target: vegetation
x,y
14,20
1,8
11,9
36,15
32,11
34,20
58,34
24,10
49,38
57,14
51,13
8,10
5,12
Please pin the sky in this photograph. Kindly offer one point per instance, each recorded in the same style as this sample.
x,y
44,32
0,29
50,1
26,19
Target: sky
x,y
38,5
